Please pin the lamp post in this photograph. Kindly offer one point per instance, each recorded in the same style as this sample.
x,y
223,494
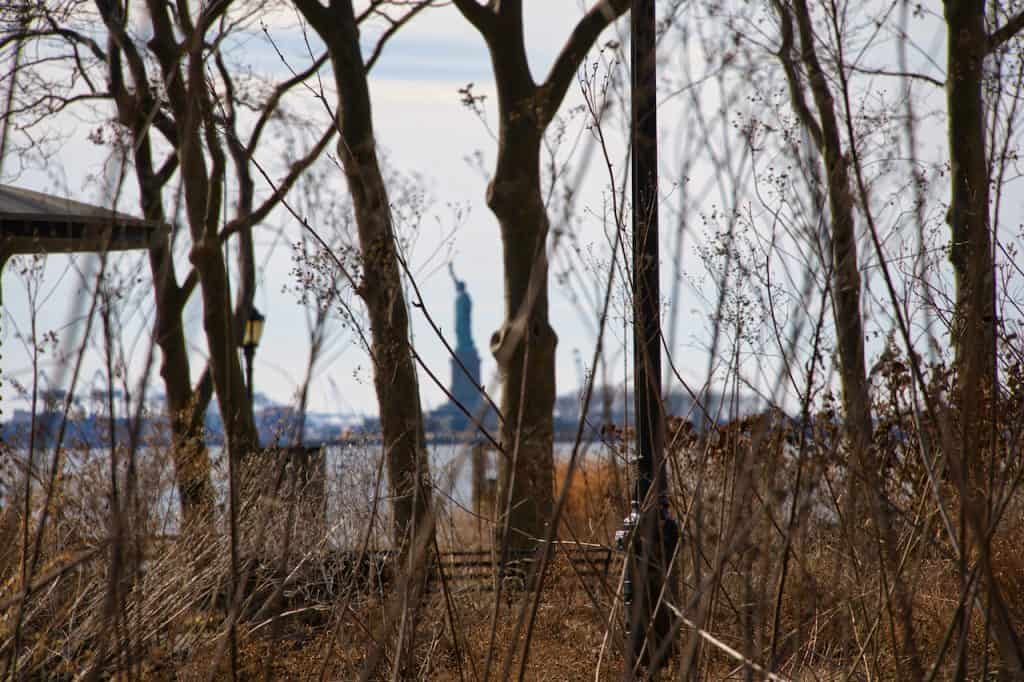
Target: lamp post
x,y
250,339
649,535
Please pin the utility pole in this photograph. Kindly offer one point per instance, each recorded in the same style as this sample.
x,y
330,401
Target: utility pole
x,y
655,534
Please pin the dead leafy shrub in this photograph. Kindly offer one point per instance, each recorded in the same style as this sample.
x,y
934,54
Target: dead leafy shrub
x,y
596,503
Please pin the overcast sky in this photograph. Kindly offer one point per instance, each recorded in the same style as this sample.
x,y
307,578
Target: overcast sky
x,y
423,129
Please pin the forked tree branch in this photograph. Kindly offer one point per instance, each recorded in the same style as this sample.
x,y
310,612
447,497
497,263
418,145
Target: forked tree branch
x,y
317,15
73,37
396,24
482,17
271,104
163,175
1006,32
281,189
793,79
583,37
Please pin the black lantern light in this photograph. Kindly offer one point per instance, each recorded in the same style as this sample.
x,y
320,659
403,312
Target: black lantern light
x,y
251,335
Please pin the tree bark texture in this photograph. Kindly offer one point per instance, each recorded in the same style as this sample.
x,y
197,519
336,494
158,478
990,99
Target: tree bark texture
x,y
524,346
178,102
974,319
970,251
188,450
188,446
846,283
395,378
189,97
865,488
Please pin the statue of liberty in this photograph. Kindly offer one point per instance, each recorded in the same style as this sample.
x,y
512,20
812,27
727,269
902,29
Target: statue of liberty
x,y
463,314
465,366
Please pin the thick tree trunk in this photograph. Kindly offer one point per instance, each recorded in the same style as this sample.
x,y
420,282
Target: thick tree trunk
x,y
188,446
973,330
208,259
524,347
228,381
394,371
202,199
395,378
846,286
974,319
189,98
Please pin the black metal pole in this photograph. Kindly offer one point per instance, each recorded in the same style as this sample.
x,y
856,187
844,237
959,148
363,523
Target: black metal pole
x,y
250,351
646,290
655,535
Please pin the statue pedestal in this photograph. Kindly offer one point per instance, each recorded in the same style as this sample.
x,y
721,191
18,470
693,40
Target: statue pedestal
x,y
465,385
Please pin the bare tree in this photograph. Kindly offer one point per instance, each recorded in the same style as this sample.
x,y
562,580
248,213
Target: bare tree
x,y
195,121
974,325
524,346
975,319
825,133
395,377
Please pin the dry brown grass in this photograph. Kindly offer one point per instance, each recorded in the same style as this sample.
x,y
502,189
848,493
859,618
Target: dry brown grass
x,y
839,616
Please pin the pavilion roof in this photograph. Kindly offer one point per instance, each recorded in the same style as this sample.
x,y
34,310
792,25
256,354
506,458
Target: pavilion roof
x,y
33,222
